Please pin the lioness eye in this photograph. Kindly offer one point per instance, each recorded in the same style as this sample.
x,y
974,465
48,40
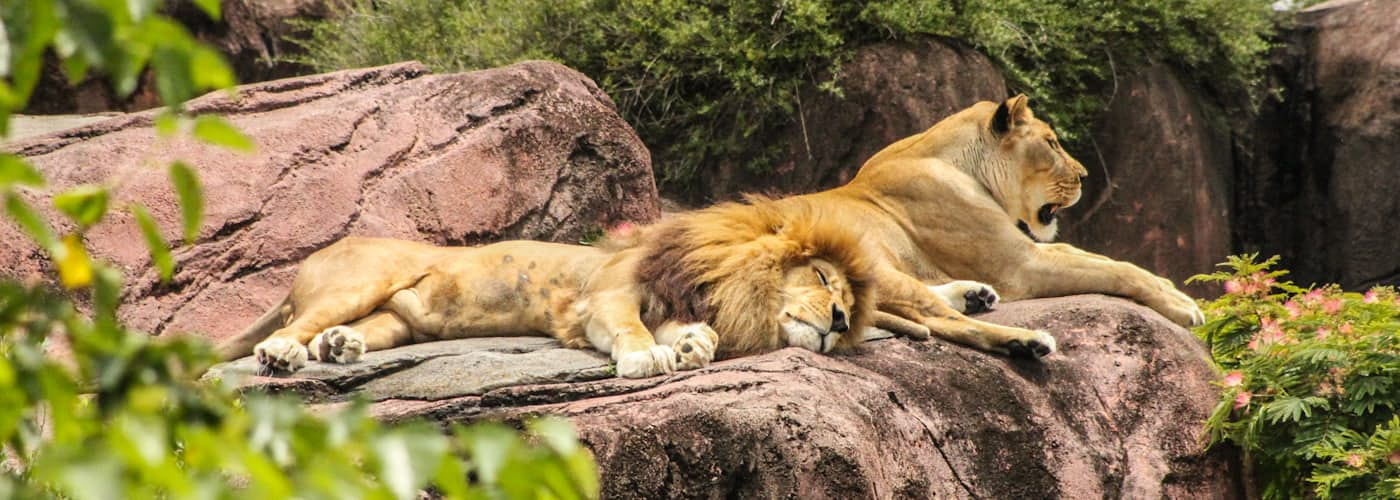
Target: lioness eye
x,y
1052,142
821,276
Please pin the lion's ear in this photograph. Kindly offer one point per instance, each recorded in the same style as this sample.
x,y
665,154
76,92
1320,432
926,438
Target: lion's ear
x,y
1011,113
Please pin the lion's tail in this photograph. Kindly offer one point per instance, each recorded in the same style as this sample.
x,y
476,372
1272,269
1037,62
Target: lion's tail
x,y
242,344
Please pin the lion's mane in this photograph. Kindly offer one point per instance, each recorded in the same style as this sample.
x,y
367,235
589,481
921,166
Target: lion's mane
x,y
724,265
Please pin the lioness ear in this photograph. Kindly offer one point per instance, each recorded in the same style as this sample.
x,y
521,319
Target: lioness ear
x,y
1020,109
1010,113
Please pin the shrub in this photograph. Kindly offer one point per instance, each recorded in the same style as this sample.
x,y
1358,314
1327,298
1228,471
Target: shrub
x,y
1311,382
120,414
704,81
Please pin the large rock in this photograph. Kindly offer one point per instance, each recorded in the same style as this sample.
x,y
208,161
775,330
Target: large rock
x,y
1319,186
891,91
1117,413
533,150
254,35
1159,187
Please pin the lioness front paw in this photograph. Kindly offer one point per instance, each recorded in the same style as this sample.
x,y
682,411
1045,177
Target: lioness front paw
x,y
1179,307
656,360
277,354
338,344
695,346
968,297
1037,346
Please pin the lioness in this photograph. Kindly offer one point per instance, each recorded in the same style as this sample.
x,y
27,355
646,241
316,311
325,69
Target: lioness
x,y
762,279
958,202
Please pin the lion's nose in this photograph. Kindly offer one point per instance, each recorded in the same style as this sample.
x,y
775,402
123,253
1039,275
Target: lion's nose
x,y
838,320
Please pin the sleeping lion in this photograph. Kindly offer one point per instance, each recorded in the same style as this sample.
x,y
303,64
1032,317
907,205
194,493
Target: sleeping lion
x,y
725,281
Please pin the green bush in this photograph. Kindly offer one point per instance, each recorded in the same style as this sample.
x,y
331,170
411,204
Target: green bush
x,y
1311,383
704,80
119,414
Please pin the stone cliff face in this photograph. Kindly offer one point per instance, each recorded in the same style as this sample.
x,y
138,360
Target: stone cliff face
x,y
533,151
1116,413
1307,180
1319,184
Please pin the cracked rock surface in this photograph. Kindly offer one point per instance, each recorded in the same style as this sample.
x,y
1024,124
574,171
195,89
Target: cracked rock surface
x,y
1116,413
534,150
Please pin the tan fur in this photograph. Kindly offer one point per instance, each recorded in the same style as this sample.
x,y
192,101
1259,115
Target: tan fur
x,y
945,205
726,264
381,293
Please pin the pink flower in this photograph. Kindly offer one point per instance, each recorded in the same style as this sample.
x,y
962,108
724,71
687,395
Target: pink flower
x,y
1394,457
1345,328
1323,332
1242,399
1356,460
1293,309
1234,378
1331,306
1233,287
1313,295
1369,297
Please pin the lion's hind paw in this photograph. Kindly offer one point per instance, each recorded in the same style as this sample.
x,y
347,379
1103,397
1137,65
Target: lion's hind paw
x,y
968,297
338,344
279,355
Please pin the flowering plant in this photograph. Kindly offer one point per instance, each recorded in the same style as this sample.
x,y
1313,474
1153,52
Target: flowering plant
x,y
1310,384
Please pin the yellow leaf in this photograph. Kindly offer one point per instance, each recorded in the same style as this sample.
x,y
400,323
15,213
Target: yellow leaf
x,y
74,266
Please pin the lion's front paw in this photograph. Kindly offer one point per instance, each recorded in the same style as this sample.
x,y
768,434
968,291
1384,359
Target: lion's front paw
x,y
695,346
338,344
968,297
1036,346
656,360
1179,308
277,354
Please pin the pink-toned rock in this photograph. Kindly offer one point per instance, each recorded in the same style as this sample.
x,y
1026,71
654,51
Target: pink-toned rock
x,y
1159,187
891,91
533,150
1318,187
1117,413
254,35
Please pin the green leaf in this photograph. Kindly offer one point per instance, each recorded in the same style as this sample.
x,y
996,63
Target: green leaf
x,y
191,201
14,170
210,8
33,225
209,70
214,130
85,204
490,446
172,73
167,123
160,253
408,456
556,432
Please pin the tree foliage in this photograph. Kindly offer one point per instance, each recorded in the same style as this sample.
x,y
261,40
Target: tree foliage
x,y
120,414
703,81
1311,383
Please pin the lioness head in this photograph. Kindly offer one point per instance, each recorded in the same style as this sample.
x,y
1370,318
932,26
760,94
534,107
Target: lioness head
x,y
1043,178
763,277
817,301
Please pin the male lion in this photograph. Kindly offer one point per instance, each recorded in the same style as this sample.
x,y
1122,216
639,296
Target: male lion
x,y
959,200
763,279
